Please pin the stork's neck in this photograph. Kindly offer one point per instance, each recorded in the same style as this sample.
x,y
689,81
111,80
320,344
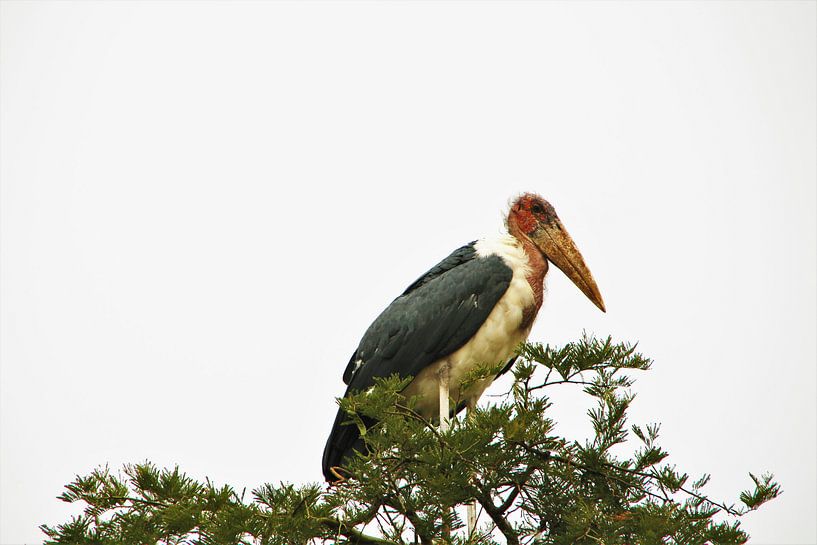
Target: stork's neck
x,y
538,267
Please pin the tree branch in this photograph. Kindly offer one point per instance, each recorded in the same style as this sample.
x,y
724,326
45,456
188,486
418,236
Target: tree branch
x,y
517,488
354,536
568,381
502,524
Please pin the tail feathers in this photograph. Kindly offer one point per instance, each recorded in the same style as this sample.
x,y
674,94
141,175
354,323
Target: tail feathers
x,y
342,443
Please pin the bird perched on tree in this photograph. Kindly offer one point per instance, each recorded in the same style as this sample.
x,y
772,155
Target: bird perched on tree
x,y
474,307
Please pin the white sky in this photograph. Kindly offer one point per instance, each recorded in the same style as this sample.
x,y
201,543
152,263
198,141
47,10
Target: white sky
x,y
204,205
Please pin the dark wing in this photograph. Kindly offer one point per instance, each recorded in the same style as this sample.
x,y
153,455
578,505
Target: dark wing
x,y
435,316
458,257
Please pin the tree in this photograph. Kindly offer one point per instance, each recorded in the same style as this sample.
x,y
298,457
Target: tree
x,y
529,484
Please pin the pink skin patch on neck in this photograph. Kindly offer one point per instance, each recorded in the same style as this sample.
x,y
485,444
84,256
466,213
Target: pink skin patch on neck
x,y
521,222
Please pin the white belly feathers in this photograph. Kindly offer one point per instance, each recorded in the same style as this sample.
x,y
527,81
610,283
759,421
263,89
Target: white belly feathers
x,y
494,342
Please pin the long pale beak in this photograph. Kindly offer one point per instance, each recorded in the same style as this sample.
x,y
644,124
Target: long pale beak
x,y
559,248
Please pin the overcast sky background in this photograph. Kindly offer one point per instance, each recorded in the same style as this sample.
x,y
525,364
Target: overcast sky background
x,y
204,205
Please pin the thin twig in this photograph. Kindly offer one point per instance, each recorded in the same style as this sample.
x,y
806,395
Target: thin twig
x,y
566,381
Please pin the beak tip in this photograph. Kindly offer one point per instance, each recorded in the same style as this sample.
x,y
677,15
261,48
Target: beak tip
x,y
595,297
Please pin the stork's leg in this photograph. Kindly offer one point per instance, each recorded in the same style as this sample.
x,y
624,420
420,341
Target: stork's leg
x,y
445,412
471,508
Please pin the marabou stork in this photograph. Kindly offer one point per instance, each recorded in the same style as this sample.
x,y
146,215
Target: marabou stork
x,y
474,307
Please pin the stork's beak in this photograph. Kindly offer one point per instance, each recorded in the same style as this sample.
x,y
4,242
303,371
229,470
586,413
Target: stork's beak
x,y
551,237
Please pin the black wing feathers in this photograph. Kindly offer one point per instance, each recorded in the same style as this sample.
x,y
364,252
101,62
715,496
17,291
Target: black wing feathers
x,y
457,257
431,321
435,316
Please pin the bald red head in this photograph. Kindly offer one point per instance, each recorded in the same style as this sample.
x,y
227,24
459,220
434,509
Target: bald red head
x,y
528,212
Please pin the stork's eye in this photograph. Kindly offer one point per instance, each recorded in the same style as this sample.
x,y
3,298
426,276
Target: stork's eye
x,y
537,208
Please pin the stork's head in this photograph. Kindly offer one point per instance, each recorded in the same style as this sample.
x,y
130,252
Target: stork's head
x,y
532,218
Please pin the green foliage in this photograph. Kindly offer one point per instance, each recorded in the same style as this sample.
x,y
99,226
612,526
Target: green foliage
x,y
529,484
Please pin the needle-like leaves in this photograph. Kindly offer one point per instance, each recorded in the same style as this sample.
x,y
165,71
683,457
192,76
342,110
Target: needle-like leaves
x,y
410,483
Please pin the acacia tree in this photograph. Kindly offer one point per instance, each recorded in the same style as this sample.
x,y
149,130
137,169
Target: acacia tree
x,y
530,485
